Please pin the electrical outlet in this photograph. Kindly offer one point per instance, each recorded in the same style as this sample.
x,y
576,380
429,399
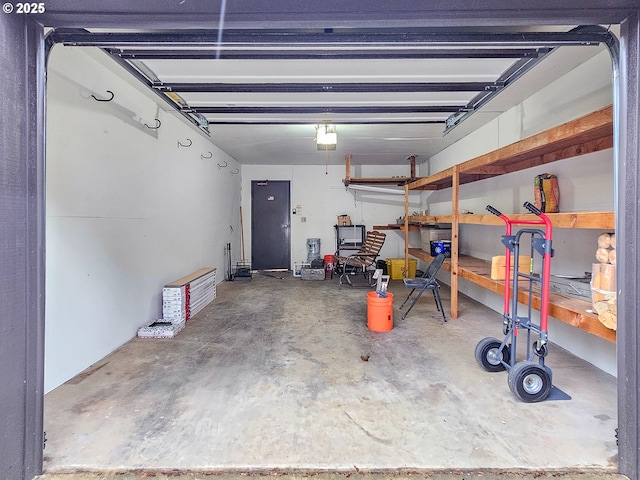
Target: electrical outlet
x,y
303,219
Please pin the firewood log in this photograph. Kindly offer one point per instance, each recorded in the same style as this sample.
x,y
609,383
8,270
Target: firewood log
x,y
609,320
604,240
613,240
612,256
600,307
608,280
602,255
603,278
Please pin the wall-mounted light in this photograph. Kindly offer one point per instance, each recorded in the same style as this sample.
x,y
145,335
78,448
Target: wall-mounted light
x,y
326,137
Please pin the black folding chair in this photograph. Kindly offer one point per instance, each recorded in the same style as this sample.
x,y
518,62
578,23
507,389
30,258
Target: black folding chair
x,y
426,282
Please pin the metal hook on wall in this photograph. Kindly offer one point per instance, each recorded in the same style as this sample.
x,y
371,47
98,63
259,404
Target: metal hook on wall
x,y
104,99
158,123
223,166
185,145
203,157
235,171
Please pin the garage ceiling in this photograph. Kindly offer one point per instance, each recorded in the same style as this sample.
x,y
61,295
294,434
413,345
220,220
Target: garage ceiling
x,y
391,93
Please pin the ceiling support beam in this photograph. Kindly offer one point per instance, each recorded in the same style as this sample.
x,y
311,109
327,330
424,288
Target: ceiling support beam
x,y
238,53
517,70
341,122
256,110
388,40
374,87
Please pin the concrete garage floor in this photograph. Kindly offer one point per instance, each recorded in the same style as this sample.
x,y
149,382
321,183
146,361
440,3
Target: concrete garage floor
x,y
271,377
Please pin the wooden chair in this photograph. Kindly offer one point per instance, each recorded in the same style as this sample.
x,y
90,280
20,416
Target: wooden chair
x,y
362,261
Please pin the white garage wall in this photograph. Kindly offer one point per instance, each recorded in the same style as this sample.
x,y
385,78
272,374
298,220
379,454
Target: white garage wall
x,y
128,210
323,197
586,184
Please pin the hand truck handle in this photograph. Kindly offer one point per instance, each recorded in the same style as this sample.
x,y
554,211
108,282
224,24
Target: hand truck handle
x,y
532,208
494,211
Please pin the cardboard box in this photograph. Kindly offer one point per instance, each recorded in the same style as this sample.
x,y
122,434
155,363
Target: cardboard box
x,y
173,292
160,329
499,263
427,235
344,220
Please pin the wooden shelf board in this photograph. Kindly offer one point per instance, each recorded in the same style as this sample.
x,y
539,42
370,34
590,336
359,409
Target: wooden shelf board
x,y
570,310
400,181
586,134
433,182
430,219
594,220
396,226
426,256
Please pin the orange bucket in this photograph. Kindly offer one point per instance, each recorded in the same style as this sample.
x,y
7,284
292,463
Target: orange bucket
x,y
379,312
328,262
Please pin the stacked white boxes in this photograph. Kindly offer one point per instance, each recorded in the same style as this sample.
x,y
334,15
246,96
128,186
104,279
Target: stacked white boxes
x,y
202,291
181,299
175,301
160,329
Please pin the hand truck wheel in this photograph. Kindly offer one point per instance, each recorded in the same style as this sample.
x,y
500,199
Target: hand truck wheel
x,y
529,381
488,354
507,326
540,349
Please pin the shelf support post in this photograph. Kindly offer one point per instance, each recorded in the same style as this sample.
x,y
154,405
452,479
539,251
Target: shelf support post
x,y
455,222
406,229
347,175
413,167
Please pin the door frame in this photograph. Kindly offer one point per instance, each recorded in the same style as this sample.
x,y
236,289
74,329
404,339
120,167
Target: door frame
x,y
28,306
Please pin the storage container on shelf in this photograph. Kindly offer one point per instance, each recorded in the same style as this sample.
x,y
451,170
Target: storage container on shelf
x,y
441,246
395,267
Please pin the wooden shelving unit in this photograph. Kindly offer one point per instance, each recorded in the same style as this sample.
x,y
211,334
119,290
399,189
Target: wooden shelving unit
x,y
587,134
399,181
570,310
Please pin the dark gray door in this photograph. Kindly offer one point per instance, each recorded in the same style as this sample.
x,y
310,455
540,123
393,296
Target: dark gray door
x,y
270,225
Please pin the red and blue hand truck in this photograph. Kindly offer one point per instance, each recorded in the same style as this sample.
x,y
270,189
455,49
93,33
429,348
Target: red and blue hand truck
x,y
528,379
